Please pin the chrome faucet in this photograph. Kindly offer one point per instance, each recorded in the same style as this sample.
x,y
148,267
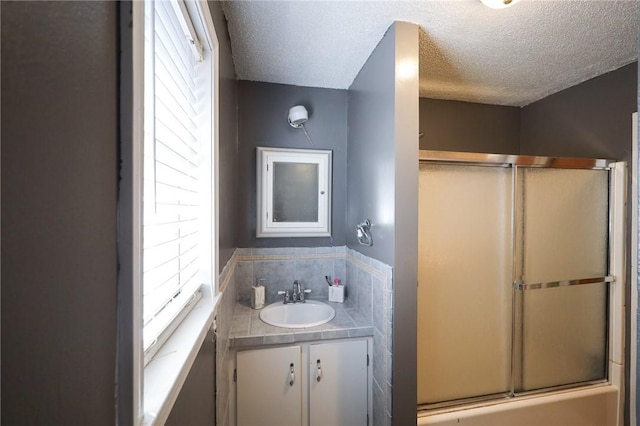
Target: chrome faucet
x,y
297,294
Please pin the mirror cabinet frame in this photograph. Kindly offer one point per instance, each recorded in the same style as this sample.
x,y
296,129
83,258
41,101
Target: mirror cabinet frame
x,y
266,226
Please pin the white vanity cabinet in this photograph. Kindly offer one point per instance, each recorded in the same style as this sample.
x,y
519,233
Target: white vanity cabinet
x,y
323,383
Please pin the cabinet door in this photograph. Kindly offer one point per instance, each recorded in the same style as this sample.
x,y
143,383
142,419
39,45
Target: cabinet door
x,y
269,391
338,383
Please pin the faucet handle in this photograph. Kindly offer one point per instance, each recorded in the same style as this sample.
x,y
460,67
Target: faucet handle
x,y
302,293
286,295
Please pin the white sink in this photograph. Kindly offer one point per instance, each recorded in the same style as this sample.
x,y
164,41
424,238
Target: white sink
x,y
297,315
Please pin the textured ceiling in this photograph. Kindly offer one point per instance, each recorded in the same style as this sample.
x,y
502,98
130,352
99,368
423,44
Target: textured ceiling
x,y
468,52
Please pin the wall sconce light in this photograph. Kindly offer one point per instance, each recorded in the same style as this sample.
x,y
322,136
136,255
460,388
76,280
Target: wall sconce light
x,y
298,115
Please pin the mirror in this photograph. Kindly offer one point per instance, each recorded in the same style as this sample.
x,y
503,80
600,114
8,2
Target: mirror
x,y
294,192
295,189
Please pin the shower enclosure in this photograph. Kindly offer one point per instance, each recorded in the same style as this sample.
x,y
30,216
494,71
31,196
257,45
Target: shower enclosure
x,y
514,275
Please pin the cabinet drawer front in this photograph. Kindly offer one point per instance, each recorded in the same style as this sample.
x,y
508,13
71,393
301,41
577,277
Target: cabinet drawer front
x,y
269,387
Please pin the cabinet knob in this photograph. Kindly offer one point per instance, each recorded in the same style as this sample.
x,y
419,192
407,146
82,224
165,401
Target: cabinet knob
x,y
292,375
318,371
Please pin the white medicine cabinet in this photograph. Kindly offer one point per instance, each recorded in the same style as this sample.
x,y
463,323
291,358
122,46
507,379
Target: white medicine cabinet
x,y
293,192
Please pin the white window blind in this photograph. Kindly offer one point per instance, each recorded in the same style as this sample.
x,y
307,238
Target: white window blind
x,y
173,169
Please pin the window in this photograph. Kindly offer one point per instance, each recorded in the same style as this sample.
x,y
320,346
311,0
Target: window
x,y
177,178
167,201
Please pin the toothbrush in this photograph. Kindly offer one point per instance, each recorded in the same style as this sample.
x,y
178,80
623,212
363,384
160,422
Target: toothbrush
x,y
326,277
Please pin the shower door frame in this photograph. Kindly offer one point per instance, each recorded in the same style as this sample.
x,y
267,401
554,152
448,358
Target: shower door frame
x,y
615,278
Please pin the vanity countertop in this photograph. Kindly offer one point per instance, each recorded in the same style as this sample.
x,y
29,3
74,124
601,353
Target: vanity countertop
x,y
248,330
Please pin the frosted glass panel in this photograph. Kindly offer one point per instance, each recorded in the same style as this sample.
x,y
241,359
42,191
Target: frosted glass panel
x,y
564,336
465,274
295,192
564,225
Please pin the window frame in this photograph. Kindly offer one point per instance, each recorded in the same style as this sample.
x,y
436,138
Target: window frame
x,y
164,377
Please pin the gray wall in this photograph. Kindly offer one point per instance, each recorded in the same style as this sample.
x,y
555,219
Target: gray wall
x,y
59,183
262,121
195,405
469,127
228,139
382,186
592,119
405,266
371,151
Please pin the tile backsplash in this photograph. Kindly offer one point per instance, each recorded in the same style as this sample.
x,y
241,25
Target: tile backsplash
x,y
280,267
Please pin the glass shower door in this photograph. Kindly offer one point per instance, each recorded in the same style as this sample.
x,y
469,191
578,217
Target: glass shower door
x,y
513,276
465,282
562,250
